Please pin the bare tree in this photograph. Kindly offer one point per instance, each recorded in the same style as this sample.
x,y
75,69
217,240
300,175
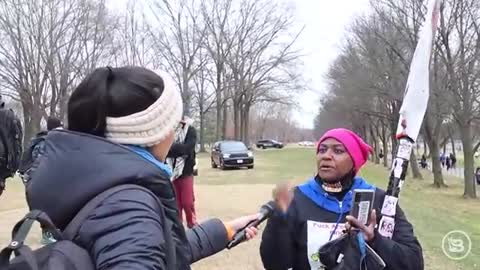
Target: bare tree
x,y
460,54
178,34
262,67
203,96
43,47
218,43
133,44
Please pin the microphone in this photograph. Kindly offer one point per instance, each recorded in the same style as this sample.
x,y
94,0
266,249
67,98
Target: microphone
x,y
264,213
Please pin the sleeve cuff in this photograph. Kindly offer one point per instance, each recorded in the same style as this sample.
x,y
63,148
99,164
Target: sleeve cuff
x,y
230,231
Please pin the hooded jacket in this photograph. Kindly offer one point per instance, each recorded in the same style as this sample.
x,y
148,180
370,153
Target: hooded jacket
x,y
292,240
125,231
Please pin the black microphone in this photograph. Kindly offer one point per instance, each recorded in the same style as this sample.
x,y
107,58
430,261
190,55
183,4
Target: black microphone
x,y
264,213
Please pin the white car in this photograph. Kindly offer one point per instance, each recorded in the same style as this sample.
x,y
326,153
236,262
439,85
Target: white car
x,y
306,144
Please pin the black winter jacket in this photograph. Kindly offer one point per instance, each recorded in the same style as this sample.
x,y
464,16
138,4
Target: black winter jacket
x,y
292,241
186,150
125,231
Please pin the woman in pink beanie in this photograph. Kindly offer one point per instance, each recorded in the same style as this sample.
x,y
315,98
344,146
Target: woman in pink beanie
x,y
317,212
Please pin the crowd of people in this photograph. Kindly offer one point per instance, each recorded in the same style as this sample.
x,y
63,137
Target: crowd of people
x,y
126,126
448,162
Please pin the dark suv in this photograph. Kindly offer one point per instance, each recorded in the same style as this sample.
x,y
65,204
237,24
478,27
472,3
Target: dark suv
x,y
231,154
264,144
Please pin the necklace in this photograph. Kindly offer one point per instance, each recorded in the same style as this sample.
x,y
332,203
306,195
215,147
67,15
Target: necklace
x,y
332,187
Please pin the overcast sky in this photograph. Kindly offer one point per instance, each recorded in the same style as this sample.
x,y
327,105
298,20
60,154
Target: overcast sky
x,y
325,22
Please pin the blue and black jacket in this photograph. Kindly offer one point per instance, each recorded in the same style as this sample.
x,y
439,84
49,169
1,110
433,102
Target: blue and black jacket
x,y
290,241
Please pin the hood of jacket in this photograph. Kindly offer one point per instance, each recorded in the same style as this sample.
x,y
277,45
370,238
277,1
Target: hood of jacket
x,y
75,167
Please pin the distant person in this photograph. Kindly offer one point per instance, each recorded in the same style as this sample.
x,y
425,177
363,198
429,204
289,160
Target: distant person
x,y
380,155
453,160
30,159
11,136
316,212
443,159
423,162
448,162
121,125
181,158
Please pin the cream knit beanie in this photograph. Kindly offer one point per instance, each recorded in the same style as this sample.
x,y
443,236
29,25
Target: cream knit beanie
x,y
152,125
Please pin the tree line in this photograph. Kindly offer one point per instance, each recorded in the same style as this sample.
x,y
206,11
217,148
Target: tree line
x,y
229,58
366,81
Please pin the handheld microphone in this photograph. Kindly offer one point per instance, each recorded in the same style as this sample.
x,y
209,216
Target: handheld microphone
x,y
265,212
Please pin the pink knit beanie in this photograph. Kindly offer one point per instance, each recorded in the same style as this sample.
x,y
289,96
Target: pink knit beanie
x,y
356,147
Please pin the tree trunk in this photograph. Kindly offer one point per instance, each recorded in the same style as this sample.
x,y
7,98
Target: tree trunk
x,y
224,121
218,94
436,167
385,147
452,141
236,118
425,147
376,151
414,165
246,122
202,130
466,135
31,119
218,131
242,124
433,144
187,96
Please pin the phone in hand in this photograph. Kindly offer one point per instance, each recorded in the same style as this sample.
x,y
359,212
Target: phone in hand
x,y
362,204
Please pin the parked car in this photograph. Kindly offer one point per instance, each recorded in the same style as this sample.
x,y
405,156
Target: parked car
x,y
264,144
231,154
307,144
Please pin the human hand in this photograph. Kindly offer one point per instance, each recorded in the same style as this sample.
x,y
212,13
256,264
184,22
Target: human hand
x,y
283,195
368,231
240,223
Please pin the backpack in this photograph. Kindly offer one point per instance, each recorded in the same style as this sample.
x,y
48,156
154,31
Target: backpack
x,y
65,253
11,136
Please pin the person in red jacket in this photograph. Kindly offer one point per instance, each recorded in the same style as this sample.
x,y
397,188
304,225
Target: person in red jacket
x,y
181,159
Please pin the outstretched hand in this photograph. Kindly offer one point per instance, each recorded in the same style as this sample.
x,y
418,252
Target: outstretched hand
x,y
368,231
239,223
283,195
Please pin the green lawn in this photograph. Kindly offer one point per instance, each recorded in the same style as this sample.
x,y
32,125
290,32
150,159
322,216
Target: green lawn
x,y
433,212
461,161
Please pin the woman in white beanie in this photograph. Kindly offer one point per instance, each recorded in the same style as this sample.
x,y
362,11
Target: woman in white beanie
x,y
121,125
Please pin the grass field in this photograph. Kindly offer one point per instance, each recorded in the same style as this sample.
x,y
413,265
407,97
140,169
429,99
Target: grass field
x,y
231,193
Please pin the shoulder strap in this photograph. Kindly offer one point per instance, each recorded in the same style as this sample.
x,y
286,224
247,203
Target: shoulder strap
x,y
72,228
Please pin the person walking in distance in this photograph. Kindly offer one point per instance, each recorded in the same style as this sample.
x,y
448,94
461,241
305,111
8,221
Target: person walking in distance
x,y
453,160
181,159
